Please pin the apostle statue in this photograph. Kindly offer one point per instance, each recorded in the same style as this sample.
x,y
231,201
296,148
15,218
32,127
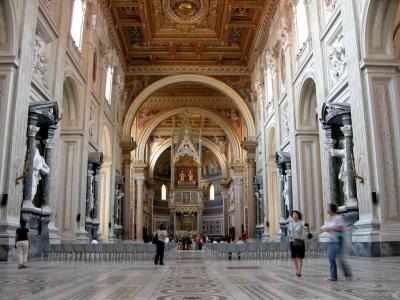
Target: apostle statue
x,y
39,166
190,175
181,176
342,174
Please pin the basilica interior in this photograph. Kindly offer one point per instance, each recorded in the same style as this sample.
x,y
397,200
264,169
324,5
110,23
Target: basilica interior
x,y
211,117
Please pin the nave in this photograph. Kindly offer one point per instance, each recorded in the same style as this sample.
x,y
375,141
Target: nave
x,y
193,275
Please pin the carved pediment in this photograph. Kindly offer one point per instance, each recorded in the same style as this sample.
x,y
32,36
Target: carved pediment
x,y
333,112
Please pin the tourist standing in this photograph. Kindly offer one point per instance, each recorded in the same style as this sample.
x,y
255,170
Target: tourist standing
x,y
22,244
336,229
297,230
161,237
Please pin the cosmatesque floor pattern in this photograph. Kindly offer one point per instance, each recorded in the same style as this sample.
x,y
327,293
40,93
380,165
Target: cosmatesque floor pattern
x,y
193,275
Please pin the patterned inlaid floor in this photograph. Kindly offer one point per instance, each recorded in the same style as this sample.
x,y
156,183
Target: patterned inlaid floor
x,y
193,275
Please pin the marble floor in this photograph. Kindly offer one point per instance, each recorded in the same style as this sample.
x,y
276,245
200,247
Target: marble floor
x,y
192,275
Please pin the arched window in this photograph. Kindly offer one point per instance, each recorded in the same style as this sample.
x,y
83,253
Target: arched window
x,y
109,79
302,23
78,15
212,192
163,192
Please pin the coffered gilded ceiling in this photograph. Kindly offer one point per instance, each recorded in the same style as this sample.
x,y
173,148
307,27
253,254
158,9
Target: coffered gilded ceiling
x,y
190,32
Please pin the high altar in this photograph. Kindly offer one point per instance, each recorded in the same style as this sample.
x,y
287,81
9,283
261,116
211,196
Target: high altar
x,y
186,202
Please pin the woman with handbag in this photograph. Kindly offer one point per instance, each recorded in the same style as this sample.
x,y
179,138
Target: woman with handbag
x,y
297,230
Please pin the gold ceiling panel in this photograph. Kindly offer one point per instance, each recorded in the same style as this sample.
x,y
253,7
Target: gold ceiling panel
x,y
195,32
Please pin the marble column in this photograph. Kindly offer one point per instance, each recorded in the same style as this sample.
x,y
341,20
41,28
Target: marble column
x,y
348,162
225,207
238,181
89,193
283,221
139,207
330,143
289,186
46,178
251,170
128,207
96,193
30,154
174,223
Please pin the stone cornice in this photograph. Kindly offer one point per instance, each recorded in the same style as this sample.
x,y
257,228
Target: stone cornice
x,y
262,34
112,31
184,69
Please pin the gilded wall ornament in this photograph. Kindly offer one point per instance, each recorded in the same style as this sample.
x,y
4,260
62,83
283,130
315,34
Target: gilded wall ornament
x,y
185,11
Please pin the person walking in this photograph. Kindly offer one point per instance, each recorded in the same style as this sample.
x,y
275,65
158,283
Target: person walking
x,y
161,237
297,230
22,244
336,229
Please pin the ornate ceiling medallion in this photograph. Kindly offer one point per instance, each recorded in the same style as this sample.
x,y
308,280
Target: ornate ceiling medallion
x,y
186,11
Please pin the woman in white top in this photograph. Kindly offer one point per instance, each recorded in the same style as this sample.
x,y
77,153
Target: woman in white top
x,y
297,230
161,237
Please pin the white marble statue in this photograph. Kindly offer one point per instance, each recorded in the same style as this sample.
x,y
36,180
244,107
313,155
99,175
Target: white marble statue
x,y
39,166
285,194
342,174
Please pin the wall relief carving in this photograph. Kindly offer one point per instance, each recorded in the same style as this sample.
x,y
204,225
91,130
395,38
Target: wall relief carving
x,y
3,27
337,61
40,60
284,123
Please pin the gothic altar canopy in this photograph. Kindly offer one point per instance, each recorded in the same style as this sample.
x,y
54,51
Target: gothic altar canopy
x,y
186,158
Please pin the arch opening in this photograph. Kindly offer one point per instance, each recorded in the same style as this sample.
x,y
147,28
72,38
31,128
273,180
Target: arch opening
x,y
230,132
190,78
308,156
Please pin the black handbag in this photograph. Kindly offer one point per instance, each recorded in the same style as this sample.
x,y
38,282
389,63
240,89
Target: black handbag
x,y
155,239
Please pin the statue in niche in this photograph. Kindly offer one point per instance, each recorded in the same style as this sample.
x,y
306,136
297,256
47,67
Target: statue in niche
x,y
39,166
190,175
181,176
340,153
285,195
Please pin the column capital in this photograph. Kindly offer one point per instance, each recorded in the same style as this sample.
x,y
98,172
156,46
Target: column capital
x,y
127,145
347,130
249,145
48,144
139,179
225,183
251,161
330,143
33,130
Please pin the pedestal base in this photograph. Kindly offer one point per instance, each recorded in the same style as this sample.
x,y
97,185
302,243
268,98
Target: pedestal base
x,y
283,224
92,226
38,224
7,240
259,231
82,236
375,249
